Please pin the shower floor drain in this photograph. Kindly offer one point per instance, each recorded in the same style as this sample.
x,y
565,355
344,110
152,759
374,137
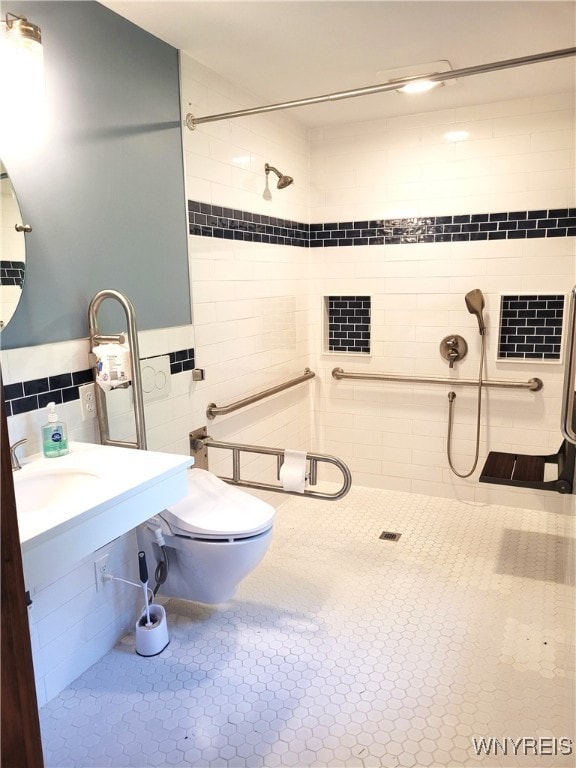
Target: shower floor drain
x,y
389,536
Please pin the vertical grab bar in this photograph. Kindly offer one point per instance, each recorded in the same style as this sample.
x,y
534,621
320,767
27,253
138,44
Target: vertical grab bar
x,y
569,370
97,338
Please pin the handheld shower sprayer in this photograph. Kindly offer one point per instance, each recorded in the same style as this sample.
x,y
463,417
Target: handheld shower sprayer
x,y
475,304
283,181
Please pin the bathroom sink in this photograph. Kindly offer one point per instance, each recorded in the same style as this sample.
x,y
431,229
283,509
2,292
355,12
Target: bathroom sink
x,y
51,489
70,506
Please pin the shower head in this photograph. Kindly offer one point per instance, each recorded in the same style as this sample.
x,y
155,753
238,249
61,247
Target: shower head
x,y
475,304
283,181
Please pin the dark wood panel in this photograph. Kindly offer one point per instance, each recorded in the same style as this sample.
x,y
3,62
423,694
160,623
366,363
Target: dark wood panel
x,y
529,468
21,742
499,465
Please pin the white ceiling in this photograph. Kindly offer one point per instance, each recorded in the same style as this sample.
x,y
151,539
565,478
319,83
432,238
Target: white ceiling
x,y
283,50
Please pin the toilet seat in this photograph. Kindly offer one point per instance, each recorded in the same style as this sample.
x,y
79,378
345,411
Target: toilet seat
x,y
216,510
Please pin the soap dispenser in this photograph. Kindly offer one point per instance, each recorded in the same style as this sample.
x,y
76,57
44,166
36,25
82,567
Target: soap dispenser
x,y
54,437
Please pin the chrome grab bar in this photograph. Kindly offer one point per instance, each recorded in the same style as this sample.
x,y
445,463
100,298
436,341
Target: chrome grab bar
x,y
534,385
214,410
98,338
569,369
199,444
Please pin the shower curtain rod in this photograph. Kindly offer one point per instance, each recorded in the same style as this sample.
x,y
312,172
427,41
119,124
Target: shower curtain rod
x,y
452,74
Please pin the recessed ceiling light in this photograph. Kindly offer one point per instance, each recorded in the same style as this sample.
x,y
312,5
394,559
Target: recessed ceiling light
x,y
420,86
418,75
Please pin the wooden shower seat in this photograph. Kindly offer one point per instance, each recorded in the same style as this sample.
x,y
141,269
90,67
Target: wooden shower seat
x,y
526,471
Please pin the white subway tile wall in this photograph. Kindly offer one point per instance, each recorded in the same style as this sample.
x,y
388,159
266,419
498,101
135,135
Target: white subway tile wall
x,y
72,625
519,157
258,308
250,299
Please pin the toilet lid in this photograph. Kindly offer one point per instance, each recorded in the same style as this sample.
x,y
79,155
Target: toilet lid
x,y
215,508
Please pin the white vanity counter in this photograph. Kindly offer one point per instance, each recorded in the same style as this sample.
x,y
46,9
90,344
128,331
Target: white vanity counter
x,y
72,505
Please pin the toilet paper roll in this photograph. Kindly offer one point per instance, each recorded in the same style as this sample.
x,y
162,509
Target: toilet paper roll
x,y
114,365
293,471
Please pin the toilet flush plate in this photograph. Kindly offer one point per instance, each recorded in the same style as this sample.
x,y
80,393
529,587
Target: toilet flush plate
x,y
155,378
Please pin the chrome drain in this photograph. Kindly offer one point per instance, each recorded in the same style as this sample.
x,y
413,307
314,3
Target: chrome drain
x,y
389,536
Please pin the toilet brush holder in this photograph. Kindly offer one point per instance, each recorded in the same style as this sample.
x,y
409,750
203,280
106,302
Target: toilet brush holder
x,y
151,640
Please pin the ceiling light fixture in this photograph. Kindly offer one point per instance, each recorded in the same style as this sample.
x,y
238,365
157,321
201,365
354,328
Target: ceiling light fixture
x,y
420,86
418,78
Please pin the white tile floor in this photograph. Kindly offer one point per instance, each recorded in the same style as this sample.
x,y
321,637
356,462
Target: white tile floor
x,y
343,649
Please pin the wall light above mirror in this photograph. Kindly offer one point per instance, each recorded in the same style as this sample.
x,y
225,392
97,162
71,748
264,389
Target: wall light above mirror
x,y
21,82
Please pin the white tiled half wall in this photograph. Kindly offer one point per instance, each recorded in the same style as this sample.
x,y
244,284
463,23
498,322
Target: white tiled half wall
x,y
71,624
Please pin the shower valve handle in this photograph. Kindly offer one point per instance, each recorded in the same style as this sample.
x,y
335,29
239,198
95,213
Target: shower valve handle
x,y
453,348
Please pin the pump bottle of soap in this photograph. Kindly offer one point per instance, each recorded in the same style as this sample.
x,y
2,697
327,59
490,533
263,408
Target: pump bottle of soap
x,y
54,437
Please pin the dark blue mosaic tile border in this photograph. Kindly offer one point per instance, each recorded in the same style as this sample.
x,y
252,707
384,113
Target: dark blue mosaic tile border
x,y
231,224
349,323
531,327
12,272
182,361
447,229
35,394
215,221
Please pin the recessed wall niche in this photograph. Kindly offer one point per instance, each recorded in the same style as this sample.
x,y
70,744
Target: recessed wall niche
x,y
531,327
347,324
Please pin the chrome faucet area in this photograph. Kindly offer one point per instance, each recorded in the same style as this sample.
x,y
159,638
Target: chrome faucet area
x,y
14,460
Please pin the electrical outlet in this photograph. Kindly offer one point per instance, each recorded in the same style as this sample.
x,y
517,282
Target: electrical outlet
x,y
100,568
87,401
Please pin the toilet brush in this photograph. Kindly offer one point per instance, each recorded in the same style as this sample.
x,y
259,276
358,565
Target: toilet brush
x,y
151,628
143,565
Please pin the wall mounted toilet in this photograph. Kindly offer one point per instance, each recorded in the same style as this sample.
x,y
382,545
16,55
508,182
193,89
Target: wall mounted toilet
x,y
214,538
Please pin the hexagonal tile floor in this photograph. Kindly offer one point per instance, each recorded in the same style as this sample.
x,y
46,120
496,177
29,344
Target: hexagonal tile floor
x,y
452,646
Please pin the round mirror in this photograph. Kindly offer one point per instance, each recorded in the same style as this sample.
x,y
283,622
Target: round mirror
x,y
12,249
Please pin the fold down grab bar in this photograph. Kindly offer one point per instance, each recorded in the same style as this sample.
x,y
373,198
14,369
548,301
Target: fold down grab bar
x,y
118,338
214,410
568,387
535,385
198,444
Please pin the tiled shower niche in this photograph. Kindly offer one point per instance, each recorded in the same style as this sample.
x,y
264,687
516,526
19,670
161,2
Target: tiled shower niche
x,y
531,327
347,324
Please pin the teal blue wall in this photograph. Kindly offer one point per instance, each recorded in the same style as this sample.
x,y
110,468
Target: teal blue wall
x,y
105,195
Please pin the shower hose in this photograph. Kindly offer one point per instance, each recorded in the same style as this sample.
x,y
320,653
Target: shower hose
x,y
451,398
